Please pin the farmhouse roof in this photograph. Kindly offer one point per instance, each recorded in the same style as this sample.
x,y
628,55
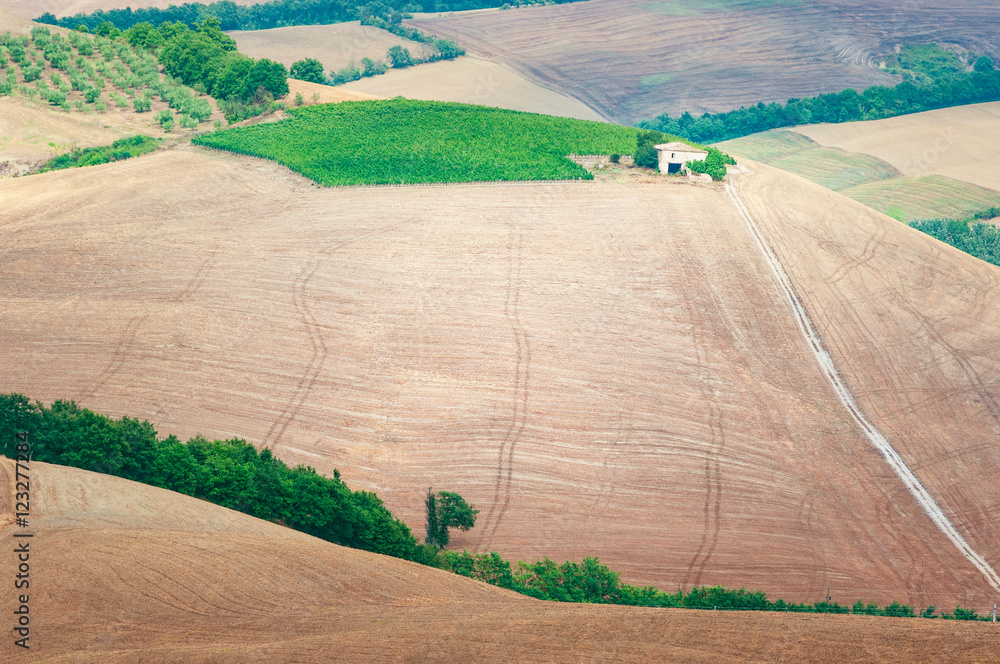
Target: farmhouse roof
x,y
677,146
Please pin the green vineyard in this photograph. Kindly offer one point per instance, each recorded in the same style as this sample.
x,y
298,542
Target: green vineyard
x,y
400,141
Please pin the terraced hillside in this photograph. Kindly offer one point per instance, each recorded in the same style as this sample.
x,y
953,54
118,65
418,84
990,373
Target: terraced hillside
x,y
602,368
142,569
632,59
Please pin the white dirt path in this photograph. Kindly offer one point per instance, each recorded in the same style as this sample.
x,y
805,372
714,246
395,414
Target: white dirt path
x,y
881,443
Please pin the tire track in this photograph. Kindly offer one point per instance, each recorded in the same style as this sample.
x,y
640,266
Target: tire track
x,y
522,375
196,282
878,440
118,357
696,279
318,351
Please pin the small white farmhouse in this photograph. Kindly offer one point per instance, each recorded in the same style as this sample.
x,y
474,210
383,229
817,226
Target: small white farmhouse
x,y
674,155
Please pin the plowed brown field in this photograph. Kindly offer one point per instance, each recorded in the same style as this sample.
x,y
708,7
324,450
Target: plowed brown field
x,y
604,369
630,59
122,572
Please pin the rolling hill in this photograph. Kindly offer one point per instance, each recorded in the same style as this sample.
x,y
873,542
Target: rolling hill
x,y
633,59
123,572
941,163
604,368
335,45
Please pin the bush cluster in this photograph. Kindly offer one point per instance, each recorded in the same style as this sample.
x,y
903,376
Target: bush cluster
x,y
972,235
123,148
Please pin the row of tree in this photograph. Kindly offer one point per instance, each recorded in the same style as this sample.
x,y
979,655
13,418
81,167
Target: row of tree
x,y
593,582
876,102
275,14
231,473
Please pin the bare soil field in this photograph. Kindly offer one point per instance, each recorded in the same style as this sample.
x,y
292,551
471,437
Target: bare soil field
x,y
605,369
34,8
630,59
122,572
472,80
962,143
323,94
335,45
913,326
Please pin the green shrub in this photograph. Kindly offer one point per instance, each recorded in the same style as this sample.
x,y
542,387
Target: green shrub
x,y
141,104
615,158
91,94
714,164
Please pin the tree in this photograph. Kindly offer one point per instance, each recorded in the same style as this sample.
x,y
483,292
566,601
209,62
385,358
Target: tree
x,y
399,57
447,510
308,69
984,64
645,153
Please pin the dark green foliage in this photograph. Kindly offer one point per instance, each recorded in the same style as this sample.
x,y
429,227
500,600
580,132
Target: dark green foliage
x,y
645,154
615,158
274,14
874,103
141,104
714,164
972,236
308,69
983,65
963,614
929,612
446,510
123,148
230,473
399,57
206,59
406,141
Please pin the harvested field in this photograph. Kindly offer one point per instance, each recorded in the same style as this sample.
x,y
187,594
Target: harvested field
x,y
831,167
603,369
929,197
335,45
126,569
934,164
472,80
632,59
328,94
962,143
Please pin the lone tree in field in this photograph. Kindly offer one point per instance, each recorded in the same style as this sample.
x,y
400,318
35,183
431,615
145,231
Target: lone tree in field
x,y
447,510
